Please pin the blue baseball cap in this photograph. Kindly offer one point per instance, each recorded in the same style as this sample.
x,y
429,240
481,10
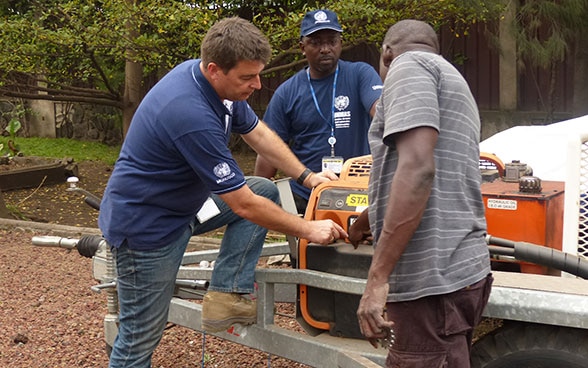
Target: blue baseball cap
x,y
317,20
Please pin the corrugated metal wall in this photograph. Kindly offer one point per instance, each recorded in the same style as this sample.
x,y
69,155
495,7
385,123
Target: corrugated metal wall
x,y
477,62
535,84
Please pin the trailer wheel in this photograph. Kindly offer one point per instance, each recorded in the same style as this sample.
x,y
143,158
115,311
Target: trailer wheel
x,y
520,345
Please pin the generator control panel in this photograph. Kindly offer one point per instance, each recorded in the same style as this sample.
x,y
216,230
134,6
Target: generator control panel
x,y
342,205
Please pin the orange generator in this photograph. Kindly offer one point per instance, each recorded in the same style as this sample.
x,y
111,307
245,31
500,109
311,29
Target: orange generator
x,y
518,207
341,201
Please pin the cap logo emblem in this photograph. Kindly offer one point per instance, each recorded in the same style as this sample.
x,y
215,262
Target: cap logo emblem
x,y
320,17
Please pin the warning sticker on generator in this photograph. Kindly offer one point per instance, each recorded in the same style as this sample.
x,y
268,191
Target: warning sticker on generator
x,y
502,204
357,200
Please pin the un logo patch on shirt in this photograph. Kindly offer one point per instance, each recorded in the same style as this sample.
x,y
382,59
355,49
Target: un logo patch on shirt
x,y
222,170
341,102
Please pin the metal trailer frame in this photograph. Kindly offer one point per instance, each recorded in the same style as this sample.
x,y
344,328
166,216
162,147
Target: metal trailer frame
x,y
273,285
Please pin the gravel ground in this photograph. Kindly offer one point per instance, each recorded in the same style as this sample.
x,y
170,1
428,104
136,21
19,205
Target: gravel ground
x,y
50,317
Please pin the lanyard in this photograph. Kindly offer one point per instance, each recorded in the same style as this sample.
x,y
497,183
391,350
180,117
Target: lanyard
x,y
332,140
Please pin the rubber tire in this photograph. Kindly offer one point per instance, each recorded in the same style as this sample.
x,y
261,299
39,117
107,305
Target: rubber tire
x,y
522,345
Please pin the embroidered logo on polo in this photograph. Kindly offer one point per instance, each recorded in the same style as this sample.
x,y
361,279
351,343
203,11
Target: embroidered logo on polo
x,y
342,118
223,172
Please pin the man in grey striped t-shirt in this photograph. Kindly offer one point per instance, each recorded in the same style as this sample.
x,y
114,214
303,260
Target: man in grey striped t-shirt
x,y
431,268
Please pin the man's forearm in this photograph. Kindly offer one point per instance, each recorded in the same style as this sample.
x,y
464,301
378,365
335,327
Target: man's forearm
x,y
264,212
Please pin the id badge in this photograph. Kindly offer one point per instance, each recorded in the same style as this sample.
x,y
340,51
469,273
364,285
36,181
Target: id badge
x,y
333,163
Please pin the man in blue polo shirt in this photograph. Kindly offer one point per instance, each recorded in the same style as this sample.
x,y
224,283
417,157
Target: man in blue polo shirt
x,y
324,111
175,177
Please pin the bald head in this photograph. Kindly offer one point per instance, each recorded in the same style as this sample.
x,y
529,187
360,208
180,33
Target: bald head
x,y
411,35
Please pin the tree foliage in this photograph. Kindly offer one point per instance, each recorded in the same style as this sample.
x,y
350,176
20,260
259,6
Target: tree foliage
x,y
76,50
544,31
80,50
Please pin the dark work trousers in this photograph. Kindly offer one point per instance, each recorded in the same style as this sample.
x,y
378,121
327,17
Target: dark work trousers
x,y
436,331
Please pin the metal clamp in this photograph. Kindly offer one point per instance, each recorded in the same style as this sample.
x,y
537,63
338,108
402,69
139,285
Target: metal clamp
x,y
106,285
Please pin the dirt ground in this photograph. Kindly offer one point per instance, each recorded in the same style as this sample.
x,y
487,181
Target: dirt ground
x,y
55,204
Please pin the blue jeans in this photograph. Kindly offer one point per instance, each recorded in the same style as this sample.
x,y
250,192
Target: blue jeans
x,y
234,270
146,279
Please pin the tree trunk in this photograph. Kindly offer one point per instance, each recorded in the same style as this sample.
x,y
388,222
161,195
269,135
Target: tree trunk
x,y
133,92
133,78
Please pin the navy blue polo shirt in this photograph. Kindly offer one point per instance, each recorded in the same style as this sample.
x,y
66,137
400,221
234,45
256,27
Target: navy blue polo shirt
x,y
174,156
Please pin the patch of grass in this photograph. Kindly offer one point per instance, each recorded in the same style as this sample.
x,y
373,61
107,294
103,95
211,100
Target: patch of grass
x,y
16,213
64,147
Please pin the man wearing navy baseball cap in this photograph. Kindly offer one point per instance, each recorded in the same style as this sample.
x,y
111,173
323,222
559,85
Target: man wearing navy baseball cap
x,y
318,20
323,111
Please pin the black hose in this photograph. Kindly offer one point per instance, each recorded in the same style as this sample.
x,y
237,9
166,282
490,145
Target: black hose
x,y
501,251
492,240
88,245
553,258
541,255
93,202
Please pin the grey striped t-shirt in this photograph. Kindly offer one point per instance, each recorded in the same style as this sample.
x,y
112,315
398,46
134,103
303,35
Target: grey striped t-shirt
x,y
448,251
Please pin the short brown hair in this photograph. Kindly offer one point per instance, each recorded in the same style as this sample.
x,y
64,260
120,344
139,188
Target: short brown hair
x,y
231,40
